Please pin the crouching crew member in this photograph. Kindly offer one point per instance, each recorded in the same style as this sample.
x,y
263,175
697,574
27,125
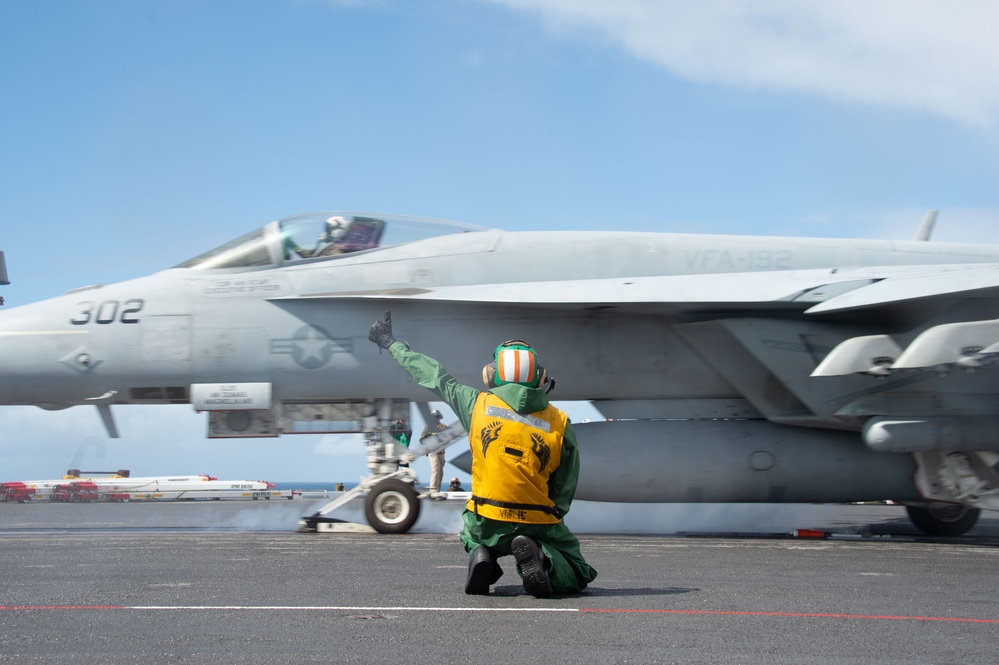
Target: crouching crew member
x,y
525,467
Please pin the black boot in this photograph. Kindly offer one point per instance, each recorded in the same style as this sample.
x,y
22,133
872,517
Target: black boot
x,y
533,566
481,571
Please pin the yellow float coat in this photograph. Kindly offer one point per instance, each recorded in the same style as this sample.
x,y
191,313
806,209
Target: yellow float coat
x,y
513,454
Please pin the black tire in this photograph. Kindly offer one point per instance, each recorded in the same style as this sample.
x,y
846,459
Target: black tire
x,y
392,506
943,519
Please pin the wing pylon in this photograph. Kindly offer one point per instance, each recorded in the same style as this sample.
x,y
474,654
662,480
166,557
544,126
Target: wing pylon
x,y
966,344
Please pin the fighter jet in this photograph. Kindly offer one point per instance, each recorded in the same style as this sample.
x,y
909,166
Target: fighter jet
x,y
728,368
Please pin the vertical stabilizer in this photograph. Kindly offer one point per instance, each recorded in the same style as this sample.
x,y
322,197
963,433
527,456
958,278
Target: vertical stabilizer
x,y
926,228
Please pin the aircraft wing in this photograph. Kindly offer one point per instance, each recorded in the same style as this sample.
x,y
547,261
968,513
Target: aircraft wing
x,y
826,290
750,287
913,284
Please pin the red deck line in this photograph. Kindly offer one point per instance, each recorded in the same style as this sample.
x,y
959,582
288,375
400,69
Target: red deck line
x,y
819,615
62,607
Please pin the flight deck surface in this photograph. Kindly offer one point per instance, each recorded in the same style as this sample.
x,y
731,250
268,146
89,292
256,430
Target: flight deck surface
x,y
227,582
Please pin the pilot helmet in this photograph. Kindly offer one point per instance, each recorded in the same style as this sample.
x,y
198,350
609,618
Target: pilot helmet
x,y
436,414
334,228
455,481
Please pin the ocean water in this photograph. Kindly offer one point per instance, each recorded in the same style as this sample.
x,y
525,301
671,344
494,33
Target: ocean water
x,y
312,486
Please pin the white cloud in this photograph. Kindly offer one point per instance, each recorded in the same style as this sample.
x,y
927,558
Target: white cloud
x,y
340,445
918,54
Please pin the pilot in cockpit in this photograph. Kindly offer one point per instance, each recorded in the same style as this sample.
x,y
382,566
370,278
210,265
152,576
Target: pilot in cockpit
x,y
328,243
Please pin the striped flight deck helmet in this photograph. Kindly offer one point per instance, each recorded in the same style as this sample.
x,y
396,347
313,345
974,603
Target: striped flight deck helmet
x,y
515,361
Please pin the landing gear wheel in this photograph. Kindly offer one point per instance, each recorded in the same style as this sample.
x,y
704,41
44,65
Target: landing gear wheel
x,y
392,506
943,519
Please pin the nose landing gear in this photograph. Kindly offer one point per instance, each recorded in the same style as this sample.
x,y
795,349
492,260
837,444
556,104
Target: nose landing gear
x,y
392,504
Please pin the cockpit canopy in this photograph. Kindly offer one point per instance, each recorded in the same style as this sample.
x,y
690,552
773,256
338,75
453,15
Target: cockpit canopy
x,y
321,235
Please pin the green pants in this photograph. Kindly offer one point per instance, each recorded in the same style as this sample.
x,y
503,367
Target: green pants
x,y
569,572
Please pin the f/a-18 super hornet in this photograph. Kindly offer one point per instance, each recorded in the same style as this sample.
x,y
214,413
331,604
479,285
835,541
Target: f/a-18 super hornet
x,y
727,368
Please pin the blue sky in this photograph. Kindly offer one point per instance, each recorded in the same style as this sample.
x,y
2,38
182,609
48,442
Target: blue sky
x,y
138,133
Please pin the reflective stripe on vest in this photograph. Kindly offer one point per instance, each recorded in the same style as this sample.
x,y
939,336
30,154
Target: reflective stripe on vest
x,y
513,455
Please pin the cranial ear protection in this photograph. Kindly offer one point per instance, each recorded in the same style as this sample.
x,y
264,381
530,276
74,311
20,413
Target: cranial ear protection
x,y
515,361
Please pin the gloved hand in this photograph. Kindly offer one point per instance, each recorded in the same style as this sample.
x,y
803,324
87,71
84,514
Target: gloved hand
x,y
381,332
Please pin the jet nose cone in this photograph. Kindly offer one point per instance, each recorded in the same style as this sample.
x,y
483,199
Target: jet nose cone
x,y
41,355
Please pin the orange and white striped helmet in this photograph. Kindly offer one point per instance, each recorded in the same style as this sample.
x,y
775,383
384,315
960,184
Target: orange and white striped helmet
x,y
516,362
